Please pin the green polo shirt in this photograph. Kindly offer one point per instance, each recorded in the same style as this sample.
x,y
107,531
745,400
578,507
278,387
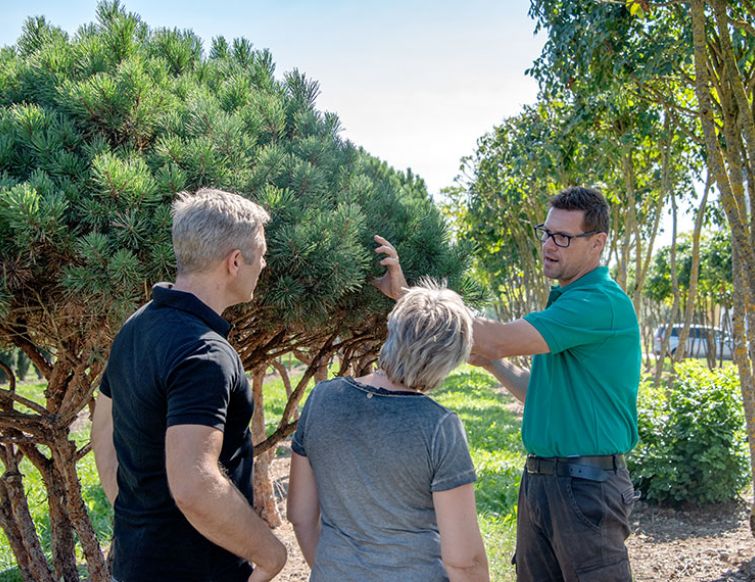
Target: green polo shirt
x,y
582,395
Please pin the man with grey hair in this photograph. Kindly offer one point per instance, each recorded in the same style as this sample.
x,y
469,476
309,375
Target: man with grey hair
x,y
171,427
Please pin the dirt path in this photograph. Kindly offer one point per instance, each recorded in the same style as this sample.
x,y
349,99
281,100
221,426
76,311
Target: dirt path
x,y
712,543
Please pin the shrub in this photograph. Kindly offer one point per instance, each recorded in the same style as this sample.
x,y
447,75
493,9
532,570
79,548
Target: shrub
x,y
692,438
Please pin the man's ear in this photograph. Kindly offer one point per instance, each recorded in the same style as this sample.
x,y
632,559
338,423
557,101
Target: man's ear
x,y
600,241
233,261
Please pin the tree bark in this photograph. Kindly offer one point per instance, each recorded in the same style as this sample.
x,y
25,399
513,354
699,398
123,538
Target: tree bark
x,y
61,529
732,198
694,270
13,535
264,493
64,462
12,484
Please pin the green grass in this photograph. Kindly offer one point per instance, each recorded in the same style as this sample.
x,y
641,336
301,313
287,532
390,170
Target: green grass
x,y
494,442
498,456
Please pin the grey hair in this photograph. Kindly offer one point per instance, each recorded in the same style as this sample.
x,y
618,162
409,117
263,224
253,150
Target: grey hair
x,y
429,334
210,224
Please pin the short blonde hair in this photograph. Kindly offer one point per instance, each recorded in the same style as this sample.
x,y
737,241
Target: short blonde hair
x,y
429,334
210,224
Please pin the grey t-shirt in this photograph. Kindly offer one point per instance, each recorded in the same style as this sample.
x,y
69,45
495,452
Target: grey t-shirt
x,y
377,457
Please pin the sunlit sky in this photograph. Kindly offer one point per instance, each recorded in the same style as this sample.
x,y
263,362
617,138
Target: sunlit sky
x,y
415,82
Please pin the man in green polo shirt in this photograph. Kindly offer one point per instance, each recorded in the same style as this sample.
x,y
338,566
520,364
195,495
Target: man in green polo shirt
x,y
580,413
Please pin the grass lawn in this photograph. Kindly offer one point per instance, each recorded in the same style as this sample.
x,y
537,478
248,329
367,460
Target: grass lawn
x,y
494,442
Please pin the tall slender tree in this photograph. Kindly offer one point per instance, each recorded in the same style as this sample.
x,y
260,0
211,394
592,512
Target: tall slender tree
x,y
696,57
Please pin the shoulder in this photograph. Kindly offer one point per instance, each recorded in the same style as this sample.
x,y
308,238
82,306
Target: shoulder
x,y
208,358
328,390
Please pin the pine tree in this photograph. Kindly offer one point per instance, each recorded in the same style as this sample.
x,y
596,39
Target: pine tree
x,y
98,132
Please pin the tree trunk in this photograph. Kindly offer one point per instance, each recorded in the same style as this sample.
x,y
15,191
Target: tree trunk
x,y
694,271
64,463
264,493
12,533
674,278
732,192
13,491
283,372
61,529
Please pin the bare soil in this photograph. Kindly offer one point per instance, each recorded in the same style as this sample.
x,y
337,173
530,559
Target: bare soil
x,y
711,544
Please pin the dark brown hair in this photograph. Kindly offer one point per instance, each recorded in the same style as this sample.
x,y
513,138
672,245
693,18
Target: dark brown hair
x,y
590,201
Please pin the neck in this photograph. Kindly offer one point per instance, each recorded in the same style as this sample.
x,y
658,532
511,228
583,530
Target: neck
x,y
590,269
378,379
206,287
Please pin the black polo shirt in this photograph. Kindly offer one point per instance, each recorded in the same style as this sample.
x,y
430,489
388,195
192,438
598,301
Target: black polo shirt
x,y
171,364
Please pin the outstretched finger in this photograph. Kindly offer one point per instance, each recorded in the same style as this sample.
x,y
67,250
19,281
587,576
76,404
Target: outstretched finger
x,y
390,251
384,242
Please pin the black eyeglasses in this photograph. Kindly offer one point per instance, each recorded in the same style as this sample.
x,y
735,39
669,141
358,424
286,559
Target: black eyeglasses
x,y
562,240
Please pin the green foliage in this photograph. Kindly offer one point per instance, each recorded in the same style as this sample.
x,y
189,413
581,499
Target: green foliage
x,y
100,130
692,440
98,133
714,276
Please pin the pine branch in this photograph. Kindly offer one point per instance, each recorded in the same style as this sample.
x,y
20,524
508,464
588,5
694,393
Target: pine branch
x,y
11,377
83,451
10,396
22,341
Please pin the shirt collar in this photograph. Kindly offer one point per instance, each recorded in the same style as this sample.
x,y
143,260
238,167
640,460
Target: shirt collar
x,y
595,276
164,295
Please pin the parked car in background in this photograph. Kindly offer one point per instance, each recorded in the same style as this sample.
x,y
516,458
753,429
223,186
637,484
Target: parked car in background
x,y
700,339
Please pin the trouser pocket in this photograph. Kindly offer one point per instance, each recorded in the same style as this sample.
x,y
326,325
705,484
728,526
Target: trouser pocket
x,y
587,501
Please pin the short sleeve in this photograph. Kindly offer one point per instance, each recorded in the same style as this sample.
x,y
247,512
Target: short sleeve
x,y
297,442
105,385
452,463
576,318
199,387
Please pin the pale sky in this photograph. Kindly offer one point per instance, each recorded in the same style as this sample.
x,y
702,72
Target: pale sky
x,y
415,82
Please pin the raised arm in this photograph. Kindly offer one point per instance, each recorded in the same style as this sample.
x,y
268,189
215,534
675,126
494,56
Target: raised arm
x,y
212,504
512,377
492,339
461,546
303,509
102,444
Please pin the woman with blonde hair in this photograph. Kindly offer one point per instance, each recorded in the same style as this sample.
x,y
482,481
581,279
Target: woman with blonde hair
x,y
381,484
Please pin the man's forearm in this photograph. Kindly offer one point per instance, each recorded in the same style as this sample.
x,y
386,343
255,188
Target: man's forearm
x,y
511,377
105,457
223,515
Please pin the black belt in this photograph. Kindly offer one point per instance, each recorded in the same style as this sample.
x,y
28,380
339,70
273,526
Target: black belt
x,y
594,468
